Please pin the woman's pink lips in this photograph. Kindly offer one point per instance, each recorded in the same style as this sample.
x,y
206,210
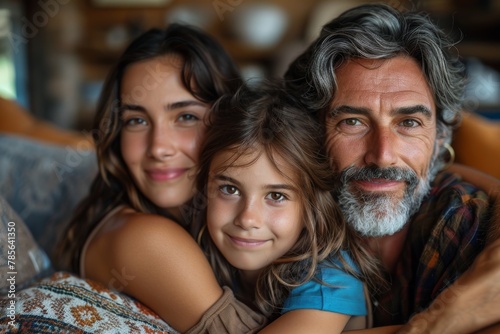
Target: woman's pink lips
x,y
166,174
246,242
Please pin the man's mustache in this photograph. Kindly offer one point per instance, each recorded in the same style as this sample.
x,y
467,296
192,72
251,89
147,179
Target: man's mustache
x,y
368,173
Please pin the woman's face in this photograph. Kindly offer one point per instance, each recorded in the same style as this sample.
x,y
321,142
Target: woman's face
x,y
162,127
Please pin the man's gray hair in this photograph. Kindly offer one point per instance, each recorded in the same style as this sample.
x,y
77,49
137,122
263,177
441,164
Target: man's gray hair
x,y
378,31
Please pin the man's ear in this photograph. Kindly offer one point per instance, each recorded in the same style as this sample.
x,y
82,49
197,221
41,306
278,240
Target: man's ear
x,y
443,152
438,148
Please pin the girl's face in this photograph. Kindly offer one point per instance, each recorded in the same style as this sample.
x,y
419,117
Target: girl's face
x,y
254,213
162,127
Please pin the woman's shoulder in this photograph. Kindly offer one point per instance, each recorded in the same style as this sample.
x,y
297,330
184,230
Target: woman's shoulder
x,y
139,252
130,227
127,235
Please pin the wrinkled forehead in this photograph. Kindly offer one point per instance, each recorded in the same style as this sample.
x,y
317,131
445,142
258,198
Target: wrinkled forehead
x,y
396,82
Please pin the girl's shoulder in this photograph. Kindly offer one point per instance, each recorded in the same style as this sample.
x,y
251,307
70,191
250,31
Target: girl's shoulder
x,y
341,260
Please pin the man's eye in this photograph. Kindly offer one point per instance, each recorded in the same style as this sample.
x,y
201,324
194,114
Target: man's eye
x,y
229,190
351,121
277,197
410,123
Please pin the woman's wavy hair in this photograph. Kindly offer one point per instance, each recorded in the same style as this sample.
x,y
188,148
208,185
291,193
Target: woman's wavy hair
x,y
207,73
378,31
266,120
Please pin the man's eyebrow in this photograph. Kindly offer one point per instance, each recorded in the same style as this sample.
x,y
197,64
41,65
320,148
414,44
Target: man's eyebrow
x,y
419,108
345,109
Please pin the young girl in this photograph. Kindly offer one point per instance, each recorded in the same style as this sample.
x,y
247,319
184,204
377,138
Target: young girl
x,y
127,233
267,220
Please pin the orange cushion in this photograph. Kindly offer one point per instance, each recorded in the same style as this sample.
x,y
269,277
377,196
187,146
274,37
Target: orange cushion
x,y
477,143
14,119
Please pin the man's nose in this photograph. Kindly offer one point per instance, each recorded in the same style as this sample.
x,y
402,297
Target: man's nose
x,y
381,148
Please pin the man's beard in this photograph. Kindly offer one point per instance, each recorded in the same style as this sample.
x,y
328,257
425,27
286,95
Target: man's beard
x,y
375,214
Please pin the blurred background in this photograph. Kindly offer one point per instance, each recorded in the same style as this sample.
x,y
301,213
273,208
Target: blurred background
x,y
55,54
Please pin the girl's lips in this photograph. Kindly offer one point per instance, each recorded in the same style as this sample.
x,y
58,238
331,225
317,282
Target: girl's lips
x,y
246,242
166,174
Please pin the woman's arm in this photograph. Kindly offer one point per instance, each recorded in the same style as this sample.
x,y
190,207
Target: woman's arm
x,y
156,261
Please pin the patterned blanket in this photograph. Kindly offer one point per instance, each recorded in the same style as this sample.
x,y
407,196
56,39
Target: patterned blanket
x,y
65,303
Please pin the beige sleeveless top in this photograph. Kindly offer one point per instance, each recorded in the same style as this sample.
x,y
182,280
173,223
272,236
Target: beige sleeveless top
x,y
92,235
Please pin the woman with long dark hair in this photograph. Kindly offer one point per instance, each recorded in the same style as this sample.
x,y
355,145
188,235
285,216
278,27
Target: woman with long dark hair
x,y
129,233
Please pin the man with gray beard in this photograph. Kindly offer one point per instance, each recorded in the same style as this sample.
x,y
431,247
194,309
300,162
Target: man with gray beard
x,y
389,92
378,214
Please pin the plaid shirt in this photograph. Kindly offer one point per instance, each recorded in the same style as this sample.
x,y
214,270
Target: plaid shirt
x,y
444,238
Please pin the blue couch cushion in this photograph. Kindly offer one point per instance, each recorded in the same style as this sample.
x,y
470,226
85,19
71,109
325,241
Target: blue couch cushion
x,y
44,183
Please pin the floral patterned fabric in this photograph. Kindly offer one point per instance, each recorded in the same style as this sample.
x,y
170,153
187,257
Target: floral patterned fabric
x,y
65,303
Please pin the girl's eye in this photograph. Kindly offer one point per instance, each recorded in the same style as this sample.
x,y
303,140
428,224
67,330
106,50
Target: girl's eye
x,y
277,197
229,190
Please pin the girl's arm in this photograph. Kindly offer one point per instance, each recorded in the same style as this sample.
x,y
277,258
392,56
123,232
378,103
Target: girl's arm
x,y
307,321
157,262
378,330
314,321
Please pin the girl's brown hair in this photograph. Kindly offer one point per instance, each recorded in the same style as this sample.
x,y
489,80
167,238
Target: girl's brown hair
x,y
207,73
268,119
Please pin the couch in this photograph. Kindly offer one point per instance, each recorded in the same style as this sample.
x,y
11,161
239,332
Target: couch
x,y
477,143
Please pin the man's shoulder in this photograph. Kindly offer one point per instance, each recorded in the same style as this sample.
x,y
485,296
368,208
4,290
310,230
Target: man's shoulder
x,y
451,196
453,208
450,185
444,238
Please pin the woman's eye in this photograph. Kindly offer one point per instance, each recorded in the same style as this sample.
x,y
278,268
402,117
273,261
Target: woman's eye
x,y
188,118
277,197
229,190
135,121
